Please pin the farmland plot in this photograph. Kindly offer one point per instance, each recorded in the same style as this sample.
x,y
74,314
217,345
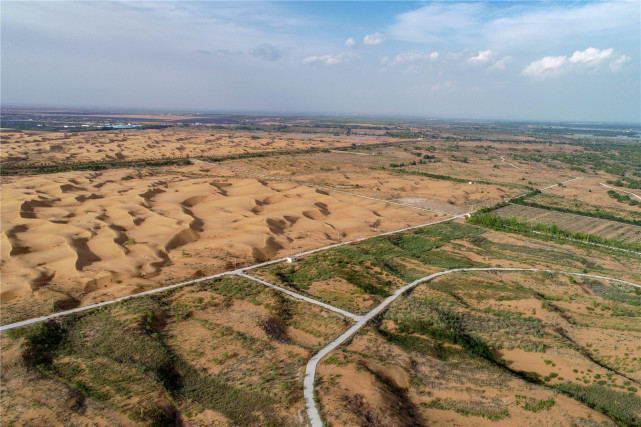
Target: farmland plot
x,y
575,223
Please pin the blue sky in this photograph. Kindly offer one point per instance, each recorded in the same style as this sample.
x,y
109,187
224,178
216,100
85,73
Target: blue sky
x,y
531,60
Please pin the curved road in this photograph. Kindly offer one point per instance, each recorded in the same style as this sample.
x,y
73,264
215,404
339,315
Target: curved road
x,y
623,191
310,370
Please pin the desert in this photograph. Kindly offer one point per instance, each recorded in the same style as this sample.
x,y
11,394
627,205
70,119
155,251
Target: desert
x,y
240,264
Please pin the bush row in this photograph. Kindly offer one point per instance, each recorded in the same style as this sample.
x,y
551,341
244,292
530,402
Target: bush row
x,y
523,227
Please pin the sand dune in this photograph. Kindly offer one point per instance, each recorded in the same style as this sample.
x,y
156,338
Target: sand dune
x,y
85,237
127,144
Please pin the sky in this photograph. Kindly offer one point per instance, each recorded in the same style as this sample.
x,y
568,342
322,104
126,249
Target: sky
x,y
534,60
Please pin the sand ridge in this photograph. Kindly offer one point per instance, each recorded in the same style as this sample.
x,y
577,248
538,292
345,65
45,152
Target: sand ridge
x,y
127,144
88,236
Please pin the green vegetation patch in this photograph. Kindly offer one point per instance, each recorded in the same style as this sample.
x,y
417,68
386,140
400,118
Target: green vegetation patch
x,y
621,406
623,198
528,228
485,408
112,355
533,405
360,264
619,292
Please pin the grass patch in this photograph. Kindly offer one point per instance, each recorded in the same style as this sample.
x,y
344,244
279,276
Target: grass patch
x,y
623,407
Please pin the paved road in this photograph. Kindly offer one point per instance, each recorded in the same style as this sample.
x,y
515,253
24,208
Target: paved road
x,y
310,370
623,191
104,303
189,282
202,279
301,297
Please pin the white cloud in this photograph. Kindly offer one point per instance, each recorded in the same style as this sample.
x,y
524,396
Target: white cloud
x,y
546,66
436,22
501,64
350,42
518,26
374,39
618,63
405,57
325,59
483,57
413,57
539,26
591,56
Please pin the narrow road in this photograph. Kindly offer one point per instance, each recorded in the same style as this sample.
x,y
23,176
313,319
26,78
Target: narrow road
x,y
202,279
310,370
300,297
514,166
623,191
556,185
104,303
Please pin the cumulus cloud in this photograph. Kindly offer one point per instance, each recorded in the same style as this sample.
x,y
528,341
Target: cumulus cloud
x,y
267,52
483,57
374,39
618,63
546,66
350,42
591,56
325,59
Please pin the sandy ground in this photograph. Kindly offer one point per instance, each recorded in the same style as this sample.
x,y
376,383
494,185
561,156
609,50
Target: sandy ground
x,y
218,335
78,238
377,383
372,380
36,146
342,172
